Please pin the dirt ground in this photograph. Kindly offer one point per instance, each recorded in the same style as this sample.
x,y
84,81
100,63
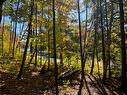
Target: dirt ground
x,y
34,83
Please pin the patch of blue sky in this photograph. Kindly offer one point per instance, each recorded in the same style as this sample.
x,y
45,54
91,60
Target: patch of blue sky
x,y
8,22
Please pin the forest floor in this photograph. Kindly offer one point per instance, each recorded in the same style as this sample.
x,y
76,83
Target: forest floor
x,y
34,83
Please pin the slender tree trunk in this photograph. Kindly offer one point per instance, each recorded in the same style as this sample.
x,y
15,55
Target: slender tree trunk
x,y
109,39
3,41
36,41
95,37
48,50
61,59
98,66
86,26
103,44
123,48
54,47
107,59
27,40
32,56
14,42
10,38
81,53
48,44
40,47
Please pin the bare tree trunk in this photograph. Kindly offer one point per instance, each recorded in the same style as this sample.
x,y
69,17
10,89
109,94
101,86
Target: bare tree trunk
x,y
54,47
95,39
27,41
48,45
123,48
81,53
36,41
109,39
103,44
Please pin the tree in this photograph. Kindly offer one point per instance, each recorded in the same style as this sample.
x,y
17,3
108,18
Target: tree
x,y
103,42
27,40
109,39
95,37
54,47
123,48
36,39
81,53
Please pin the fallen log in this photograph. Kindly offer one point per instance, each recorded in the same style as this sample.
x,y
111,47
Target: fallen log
x,y
70,75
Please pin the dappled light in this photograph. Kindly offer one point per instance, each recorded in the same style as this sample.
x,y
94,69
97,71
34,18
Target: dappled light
x,y
63,47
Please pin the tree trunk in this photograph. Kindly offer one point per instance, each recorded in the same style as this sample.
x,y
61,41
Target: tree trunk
x,y
48,44
109,39
123,48
36,41
107,52
54,48
81,53
103,44
27,40
94,44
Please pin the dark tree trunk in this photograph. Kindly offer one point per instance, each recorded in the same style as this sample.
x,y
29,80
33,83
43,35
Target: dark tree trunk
x,y
109,39
27,40
61,59
81,53
48,45
32,56
36,41
48,50
107,59
40,47
54,48
103,44
123,48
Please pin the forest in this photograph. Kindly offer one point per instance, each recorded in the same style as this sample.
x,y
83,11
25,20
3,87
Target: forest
x,y
63,47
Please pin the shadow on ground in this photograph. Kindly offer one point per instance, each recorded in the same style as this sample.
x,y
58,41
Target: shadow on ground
x,y
34,83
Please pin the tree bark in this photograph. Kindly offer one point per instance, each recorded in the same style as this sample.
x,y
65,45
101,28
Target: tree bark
x,y
54,47
109,39
103,44
36,40
95,38
27,41
123,48
81,52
